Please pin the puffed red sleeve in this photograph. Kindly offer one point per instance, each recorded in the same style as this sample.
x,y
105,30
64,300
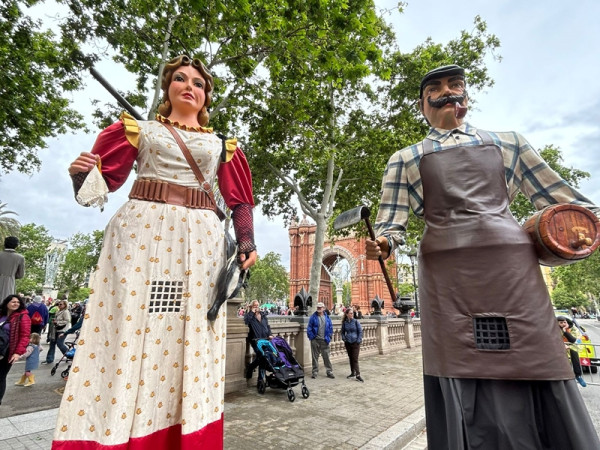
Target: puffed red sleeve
x,y
235,184
235,181
117,155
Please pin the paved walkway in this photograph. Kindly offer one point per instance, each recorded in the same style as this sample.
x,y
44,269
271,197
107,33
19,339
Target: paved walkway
x,y
384,412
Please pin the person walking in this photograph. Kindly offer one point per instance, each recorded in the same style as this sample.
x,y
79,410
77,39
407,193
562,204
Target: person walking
x,y
319,332
61,320
32,360
16,325
352,334
38,313
12,266
52,310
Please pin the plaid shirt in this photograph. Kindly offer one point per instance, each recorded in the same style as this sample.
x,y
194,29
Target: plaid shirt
x,y
524,168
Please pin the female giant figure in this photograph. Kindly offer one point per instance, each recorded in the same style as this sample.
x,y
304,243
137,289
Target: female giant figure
x,y
149,371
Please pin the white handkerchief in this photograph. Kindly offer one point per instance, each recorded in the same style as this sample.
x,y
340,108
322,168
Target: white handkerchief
x,y
94,190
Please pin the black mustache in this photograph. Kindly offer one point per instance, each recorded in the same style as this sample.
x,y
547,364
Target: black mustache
x,y
438,103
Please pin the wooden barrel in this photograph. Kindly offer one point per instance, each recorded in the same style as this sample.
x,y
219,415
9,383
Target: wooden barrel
x,y
563,234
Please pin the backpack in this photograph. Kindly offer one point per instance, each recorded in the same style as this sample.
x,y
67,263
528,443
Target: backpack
x,y
36,318
4,340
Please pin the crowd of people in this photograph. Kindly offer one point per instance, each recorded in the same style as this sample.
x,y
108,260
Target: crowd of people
x,y
285,310
23,321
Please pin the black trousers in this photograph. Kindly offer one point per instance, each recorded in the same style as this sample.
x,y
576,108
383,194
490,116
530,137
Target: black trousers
x,y
353,350
255,362
575,362
4,369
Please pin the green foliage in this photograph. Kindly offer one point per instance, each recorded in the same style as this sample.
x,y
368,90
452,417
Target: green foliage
x,y
79,295
521,207
268,280
80,260
9,226
393,120
579,278
346,293
563,298
37,70
318,86
35,241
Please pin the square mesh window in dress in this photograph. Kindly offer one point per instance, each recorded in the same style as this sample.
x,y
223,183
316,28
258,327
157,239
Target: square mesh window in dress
x,y
491,333
166,296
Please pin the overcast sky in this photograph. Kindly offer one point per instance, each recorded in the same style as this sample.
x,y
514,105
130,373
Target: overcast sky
x,y
546,88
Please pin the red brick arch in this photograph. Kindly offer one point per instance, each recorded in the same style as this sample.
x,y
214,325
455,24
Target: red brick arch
x,y
366,277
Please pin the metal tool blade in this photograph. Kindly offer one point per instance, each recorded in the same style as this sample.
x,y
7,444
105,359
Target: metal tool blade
x,y
351,217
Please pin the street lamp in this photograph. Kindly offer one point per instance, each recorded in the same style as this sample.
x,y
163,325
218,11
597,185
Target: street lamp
x,y
412,254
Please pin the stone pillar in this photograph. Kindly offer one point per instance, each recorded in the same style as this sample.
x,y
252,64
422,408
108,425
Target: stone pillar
x,y
383,342
236,348
409,333
303,354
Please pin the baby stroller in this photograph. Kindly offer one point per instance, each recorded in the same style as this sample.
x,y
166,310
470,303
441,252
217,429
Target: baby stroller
x,y
278,368
68,358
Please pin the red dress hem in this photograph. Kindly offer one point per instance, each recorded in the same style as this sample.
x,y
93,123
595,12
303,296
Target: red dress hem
x,y
211,436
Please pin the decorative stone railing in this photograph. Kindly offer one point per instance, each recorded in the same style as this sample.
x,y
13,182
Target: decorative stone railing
x,y
381,336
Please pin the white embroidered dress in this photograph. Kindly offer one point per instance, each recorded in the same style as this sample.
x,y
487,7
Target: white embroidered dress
x,y
149,368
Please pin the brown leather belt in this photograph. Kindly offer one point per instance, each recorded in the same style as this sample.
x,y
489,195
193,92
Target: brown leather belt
x,y
173,194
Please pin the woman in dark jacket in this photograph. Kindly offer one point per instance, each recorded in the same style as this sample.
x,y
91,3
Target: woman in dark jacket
x,y
16,322
352,334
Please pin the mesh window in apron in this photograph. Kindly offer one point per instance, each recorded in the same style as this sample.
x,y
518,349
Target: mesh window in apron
x,y
491,333
166,296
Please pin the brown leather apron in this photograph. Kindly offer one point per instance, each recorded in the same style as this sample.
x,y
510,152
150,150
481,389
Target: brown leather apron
x,y
485,309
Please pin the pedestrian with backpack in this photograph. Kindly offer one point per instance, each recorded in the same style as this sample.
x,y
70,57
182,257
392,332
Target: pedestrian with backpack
x,y
38,313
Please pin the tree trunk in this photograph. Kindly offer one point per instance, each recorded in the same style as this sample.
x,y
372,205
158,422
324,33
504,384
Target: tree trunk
x,y
317,261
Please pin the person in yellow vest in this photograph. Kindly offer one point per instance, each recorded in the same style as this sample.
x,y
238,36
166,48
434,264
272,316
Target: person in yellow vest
x,y
570,337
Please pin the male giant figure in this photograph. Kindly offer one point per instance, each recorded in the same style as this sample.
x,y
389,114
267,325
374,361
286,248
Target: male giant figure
x,y
513,388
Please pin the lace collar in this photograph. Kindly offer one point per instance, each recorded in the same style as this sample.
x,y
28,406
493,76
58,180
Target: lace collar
x,y
201,129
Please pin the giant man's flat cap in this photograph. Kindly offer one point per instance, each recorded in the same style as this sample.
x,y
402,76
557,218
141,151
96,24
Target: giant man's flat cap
x,y
440,72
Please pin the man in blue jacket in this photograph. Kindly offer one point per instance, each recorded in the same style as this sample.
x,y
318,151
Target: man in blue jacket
x,y
319,331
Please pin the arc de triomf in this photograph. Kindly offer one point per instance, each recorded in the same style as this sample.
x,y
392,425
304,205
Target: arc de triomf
x,y
365,276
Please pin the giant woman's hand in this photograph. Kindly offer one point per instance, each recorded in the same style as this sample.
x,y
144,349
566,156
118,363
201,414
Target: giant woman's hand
x,y
248,261
83,163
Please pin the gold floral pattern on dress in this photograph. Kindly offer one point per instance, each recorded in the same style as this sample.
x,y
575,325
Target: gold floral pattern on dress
x,y
162,377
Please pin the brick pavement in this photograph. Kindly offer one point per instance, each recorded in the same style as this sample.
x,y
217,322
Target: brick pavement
x,y
386,411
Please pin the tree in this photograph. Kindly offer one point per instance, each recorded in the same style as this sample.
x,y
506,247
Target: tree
x,y
9,226
37,70
268,279
328,126
580,278
318,84
346,293
521,207
80,260
562,298
35,241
